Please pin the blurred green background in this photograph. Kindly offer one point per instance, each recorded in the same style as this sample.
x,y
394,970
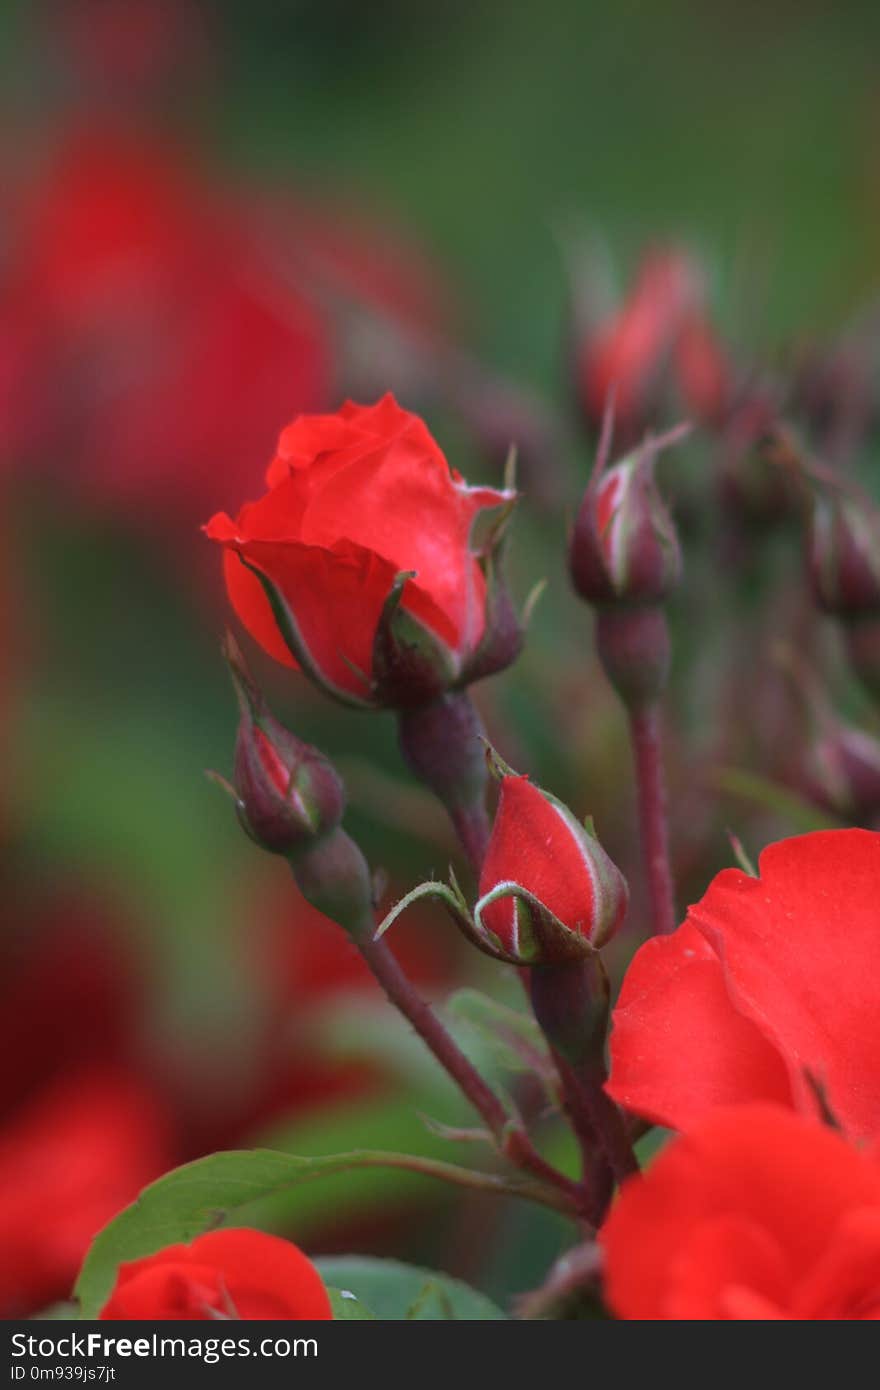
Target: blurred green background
x,y
486,132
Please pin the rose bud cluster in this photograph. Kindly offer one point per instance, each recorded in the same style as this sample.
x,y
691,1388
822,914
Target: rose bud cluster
x,y
844,567
625,559
358,567
225,1274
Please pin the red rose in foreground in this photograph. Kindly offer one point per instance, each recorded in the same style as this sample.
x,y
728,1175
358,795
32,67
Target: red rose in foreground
x,y
769,981
354,500
68,1164
225,1274
757,1215
538,845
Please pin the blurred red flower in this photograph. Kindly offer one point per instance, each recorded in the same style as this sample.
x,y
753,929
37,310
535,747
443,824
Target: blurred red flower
x,y
756,1215
66,960
660,336
141,299
768,989
354,499
69,1161
225,1274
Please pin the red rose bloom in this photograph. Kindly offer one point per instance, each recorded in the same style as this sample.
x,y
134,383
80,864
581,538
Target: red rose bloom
x,y
538,844
769,982
68,1163
756,1215
354,500
238,1273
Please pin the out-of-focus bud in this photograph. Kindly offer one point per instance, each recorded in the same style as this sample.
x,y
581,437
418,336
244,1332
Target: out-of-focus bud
x,y
755,488
624,547
703,372
844,556
834,390
288,796
862,640
841,770
844,772
538,846
629,352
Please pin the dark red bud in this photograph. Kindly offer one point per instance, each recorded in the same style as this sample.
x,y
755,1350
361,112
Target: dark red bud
x,y
844,556
845,772
624,547
288,795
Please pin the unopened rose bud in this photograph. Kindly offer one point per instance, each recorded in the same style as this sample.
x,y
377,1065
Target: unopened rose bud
x,y
844,772
844,556
288,795
629,353
539,847
624,547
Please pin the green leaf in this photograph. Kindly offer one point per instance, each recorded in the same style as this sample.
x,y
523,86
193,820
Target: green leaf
x,y
399,1292
512,1039
200,1196
347,1307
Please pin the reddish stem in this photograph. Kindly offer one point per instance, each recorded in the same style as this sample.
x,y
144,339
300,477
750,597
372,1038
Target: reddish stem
x,y
651,792
473,828
511,1138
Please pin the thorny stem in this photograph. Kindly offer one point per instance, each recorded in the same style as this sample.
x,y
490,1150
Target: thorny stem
x,y
442,745
511,1138
651,792
595,1115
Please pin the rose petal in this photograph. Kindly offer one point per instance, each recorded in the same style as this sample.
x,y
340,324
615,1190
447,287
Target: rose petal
x,y
846,1282
336,597
798,961
788,1176
724,1259
678,1046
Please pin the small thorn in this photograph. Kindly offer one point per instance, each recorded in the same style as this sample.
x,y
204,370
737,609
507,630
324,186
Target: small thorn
x,y
497,766
741,855
509,474
534,595
223,783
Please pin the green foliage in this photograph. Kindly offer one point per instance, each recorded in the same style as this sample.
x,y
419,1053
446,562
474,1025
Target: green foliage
x,y
199,1197
398,1292
347,1307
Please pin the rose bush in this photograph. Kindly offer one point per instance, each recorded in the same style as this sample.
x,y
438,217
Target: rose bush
x,y
224,1274
356,499
758,1214
769,987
